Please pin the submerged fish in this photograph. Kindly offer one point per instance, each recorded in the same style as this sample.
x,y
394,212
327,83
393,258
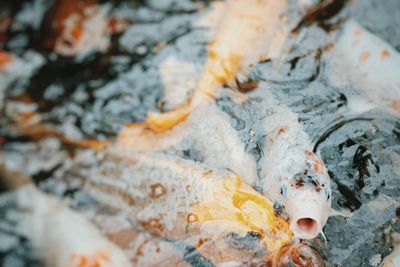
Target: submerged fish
x,y
176,199
369,65
262,31
292,176
208,136
60,235
78,27
289,163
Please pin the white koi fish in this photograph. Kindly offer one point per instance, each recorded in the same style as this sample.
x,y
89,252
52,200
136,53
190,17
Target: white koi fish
x,y
60,235
207,131
248,31
293,176
369,65
175,199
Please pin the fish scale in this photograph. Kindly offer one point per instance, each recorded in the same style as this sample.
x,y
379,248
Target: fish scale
x,y
178,199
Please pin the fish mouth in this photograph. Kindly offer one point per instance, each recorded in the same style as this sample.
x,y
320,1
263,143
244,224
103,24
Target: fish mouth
x,y
306,227
307,213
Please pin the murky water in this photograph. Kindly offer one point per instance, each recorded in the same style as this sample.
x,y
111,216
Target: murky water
x,y
93,96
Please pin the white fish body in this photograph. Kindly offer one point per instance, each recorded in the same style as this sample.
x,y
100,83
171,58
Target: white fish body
x,y
369,65
207,131
63,237
293,176
247,32
176,199
142,248
287,154
95,35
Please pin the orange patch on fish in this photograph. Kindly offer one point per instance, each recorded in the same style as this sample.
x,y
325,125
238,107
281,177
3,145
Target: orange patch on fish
x,y
319,166
54,23
37,131
98,259
384,54
154,226
162,122
117,25
5,58
77,31
364,56
396,104
157,191
358,31
282,130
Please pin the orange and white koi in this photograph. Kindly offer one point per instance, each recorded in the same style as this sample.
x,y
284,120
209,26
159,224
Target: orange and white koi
x,y
78,27
293,176
60,235
369,65
248,31
178,200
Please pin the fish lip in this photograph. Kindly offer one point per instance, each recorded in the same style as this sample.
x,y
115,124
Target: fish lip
x,y
307,213
304,234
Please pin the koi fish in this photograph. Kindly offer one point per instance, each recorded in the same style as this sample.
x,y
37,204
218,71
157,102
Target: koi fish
x,y
369,65
60,235
5,59
77,27
175,199
293,176
262,32
207,132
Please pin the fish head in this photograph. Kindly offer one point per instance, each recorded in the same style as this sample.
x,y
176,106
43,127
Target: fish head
x,y
307,198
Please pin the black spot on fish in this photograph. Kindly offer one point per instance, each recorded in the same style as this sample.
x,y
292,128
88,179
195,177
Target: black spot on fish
x,y
279,210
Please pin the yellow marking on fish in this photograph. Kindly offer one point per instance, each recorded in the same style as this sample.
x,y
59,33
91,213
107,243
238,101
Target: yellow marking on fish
x,y
235,201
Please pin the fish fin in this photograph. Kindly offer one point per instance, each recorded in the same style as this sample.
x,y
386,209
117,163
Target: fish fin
x,y
162,122
343,213
323,236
